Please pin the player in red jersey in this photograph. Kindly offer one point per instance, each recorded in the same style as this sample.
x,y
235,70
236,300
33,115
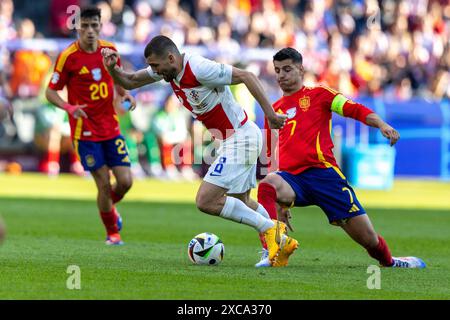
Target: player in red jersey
x,y
202,86
308,173
93,121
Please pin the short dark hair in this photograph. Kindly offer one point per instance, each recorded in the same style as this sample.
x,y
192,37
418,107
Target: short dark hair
x,y
288,53
90,12
159,46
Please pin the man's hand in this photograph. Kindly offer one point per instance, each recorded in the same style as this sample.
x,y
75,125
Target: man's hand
x,y
284,214
277,121
75,111
386,130
110,58
390,133
130,98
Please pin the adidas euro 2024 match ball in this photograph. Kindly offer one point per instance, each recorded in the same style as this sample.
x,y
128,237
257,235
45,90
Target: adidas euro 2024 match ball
x,y
206,249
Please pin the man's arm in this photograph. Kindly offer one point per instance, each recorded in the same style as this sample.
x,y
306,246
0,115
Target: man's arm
x,y
271,147
347,108
75,111
386,130
255,87
130,80
127,80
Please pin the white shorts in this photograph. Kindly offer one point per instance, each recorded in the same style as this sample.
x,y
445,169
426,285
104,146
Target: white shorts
x,y
235,166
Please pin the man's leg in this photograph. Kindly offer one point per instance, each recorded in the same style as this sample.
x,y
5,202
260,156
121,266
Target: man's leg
x,y
252,204
124,181
118,159
105,204
274,189
361,230
211,199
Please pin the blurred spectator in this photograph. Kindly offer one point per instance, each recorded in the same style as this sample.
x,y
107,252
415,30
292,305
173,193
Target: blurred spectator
x,y
7,128
7,27
52,136
5,65
171,127
117,11
143,26
141,124
29,66
109,29
402,38
224,45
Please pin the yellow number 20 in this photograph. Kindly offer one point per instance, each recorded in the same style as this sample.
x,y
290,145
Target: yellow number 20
x,y
98,91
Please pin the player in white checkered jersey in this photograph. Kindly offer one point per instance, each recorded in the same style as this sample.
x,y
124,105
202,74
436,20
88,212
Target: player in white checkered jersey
x,y
202,86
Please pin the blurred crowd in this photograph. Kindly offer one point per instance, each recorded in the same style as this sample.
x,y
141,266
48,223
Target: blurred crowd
x,y
386,49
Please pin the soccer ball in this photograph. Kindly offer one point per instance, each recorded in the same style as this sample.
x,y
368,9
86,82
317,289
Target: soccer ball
x,y
206,248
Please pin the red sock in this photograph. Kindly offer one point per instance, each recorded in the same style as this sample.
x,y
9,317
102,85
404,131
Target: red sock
x,y
49,162
267,197
263,240
110,221
53,156
43,163
381,253
115,197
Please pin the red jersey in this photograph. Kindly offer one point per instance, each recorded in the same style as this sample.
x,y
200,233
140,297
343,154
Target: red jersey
x,y
305,140
88,82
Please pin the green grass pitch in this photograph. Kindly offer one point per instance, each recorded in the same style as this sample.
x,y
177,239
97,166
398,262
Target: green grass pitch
x,y
52,224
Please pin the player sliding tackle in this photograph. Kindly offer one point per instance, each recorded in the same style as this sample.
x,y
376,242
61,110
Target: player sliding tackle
x,y
308,173
203,87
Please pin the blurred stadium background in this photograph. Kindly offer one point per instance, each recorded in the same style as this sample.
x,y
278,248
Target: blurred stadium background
x,y
393,56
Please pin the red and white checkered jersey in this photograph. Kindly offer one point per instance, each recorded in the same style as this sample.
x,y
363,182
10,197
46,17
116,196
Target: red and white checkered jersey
x,y
203,88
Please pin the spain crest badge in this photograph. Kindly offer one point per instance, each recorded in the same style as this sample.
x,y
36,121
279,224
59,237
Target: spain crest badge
x,y
304,103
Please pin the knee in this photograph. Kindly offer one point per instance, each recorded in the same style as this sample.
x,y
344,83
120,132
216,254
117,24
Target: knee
x,y
271,180
268,187
202,203
272,187
125,183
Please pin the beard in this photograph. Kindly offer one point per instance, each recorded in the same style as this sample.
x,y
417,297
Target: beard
x,y
169,75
